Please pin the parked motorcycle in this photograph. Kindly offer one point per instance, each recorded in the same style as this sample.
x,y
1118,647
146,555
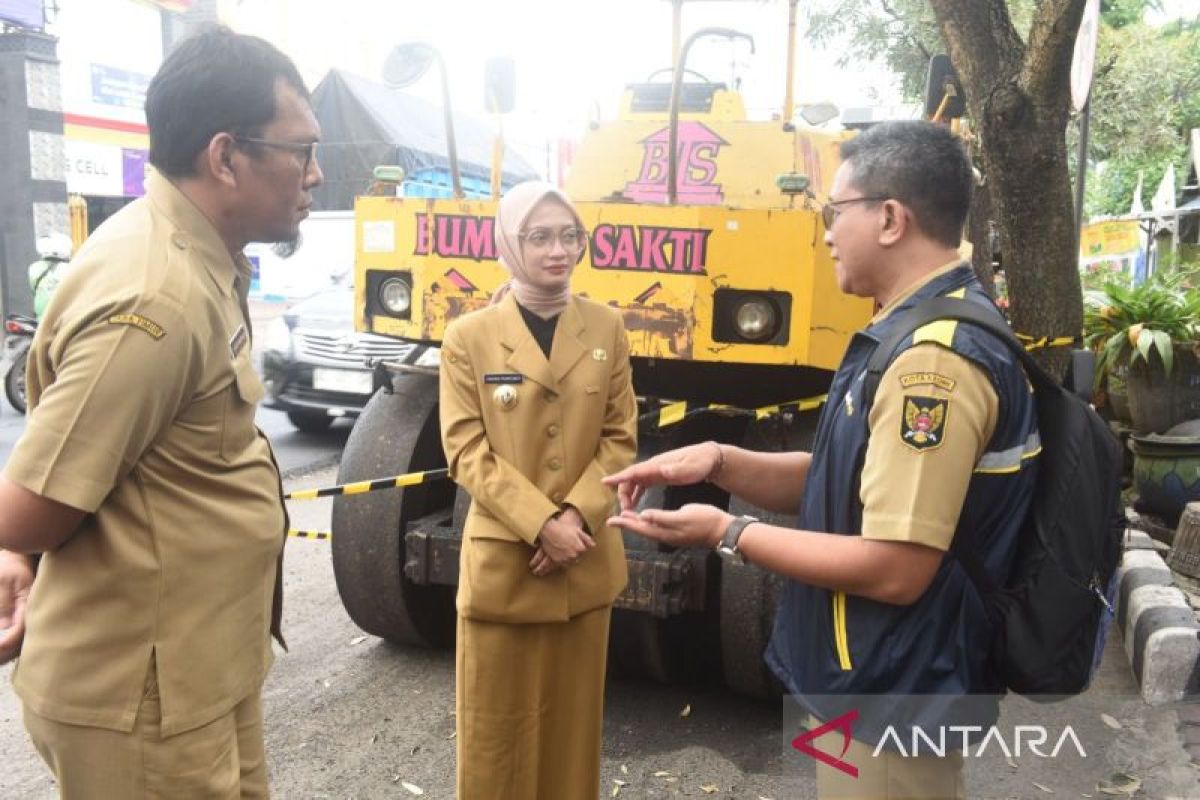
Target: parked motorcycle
x,y
19,332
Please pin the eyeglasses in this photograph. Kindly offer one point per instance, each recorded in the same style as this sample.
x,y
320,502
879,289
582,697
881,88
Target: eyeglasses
x,y
571,239
306,152
830,210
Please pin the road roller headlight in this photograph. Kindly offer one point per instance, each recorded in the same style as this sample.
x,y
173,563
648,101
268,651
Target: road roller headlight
x,y
395,295
756,319
749,316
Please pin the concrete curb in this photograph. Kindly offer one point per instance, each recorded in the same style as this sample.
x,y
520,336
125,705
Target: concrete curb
x,y
1162,637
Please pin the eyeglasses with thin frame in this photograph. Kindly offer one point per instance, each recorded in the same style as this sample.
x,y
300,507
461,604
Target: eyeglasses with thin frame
x,y
830,210
307,151
571,239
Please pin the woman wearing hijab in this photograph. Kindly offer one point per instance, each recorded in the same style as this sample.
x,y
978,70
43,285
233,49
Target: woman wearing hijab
x,y
536,406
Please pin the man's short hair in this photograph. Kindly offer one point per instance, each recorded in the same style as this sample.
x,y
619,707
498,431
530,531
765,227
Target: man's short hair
x,y
920,164
213,81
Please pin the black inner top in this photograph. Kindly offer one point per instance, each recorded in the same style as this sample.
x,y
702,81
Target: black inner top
x,y
542,329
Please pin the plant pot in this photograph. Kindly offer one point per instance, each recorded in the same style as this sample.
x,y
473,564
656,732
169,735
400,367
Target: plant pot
x,y
1166,474
1158,402
1117,390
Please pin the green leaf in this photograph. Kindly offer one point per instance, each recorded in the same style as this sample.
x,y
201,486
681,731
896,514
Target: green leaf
x,y
1162,341
1144,341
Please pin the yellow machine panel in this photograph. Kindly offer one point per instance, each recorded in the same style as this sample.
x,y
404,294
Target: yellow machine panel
x,y
720,163
664,267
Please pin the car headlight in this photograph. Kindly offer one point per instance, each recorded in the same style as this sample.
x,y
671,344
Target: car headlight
x,y
756,319
395,295
278,336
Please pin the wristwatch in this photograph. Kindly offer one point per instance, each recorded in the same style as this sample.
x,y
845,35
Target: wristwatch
x,y
728,548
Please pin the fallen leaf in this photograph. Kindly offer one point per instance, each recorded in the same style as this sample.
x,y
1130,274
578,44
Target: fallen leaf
x,y
620,782
414,749
452,734
1111,722
1012,764
326,684
1045,789
358,640
616,790
374,738
624,770
687,711
662,774
413,788
1119,783
709,789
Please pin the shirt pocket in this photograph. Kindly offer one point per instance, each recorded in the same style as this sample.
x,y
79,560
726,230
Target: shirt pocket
x,y
244,392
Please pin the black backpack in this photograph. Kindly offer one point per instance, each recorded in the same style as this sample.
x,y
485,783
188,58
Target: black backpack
x,y
1052,614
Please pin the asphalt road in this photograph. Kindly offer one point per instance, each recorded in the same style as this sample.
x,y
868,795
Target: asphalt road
x,y
351,716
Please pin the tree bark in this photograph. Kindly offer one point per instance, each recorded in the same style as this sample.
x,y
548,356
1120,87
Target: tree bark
x,y
1018,96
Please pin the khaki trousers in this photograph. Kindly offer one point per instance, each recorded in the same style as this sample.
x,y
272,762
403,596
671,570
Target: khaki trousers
x,y
223,760
890,776
530,708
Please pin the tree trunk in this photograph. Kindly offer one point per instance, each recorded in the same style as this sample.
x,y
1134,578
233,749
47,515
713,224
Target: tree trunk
x,y
979,234
1018,98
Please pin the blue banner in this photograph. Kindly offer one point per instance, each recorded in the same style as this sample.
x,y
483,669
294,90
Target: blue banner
x,y
26,13
118,87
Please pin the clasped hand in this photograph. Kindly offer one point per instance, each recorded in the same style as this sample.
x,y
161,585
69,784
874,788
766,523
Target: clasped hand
x,y
561,542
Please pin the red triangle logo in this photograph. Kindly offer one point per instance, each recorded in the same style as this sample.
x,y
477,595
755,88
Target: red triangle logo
x,y
844,723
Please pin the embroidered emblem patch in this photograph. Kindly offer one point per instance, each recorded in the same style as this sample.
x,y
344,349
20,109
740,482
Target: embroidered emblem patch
x,y
141,323
927,379
924,424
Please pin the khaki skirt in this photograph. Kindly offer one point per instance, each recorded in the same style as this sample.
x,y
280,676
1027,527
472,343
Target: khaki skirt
x,y
530,707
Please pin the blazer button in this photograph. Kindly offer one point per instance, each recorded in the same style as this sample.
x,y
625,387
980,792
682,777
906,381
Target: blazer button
x,y
554,463
552,430
557,497
550,395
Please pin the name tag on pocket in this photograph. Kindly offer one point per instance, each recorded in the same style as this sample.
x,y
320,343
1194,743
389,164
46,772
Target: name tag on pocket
x,y
238,341
503,378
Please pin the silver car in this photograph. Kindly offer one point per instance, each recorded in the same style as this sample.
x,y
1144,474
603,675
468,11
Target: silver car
x,y
316,367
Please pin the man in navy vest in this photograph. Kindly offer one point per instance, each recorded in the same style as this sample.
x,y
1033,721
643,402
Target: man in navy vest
x,y
874,603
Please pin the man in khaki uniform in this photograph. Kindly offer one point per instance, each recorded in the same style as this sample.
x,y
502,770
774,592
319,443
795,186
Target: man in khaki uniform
x,y
875,603
141,478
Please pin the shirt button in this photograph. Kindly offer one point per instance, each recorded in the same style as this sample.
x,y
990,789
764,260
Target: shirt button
x,y
179,240
550,396
554,463
552,430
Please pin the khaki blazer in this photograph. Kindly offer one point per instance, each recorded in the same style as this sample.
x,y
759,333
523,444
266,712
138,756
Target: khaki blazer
x,y
527,436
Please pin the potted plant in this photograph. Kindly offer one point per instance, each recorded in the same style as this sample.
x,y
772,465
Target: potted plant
x,y
1150,336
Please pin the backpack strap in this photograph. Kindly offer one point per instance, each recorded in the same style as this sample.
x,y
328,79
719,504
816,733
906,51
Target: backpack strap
x,y
932,310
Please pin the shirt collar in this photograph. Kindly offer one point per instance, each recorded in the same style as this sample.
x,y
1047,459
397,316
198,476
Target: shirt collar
x,y
913,288
194,231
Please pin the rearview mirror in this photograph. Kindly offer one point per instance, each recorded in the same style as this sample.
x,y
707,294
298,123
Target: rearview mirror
x,y
407,63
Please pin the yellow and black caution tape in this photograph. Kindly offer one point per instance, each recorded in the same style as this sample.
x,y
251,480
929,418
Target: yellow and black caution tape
x,y
671,413
309,534
1044,342
362,487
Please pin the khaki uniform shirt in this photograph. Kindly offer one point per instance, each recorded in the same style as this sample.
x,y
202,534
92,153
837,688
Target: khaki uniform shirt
x,y
912,495
527,436
142,399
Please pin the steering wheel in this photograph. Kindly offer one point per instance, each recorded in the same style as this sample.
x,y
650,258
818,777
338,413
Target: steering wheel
x,y
670,72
